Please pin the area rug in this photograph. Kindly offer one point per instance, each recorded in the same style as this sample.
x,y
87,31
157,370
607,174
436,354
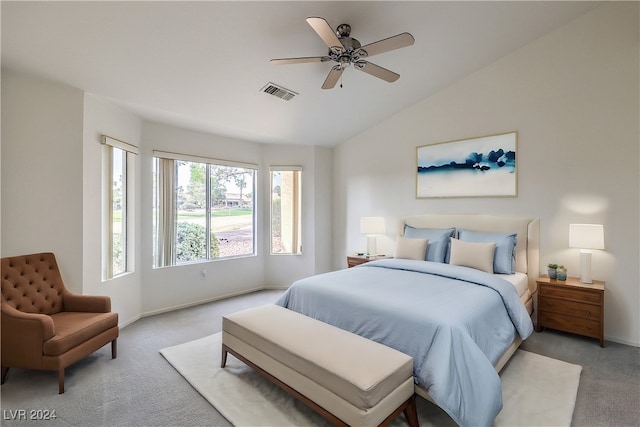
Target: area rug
x,y
536,390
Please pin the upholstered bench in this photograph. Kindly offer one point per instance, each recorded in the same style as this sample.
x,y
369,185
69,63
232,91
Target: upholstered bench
x,y
348,379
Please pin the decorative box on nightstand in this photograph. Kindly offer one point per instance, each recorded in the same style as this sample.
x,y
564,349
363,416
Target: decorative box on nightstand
x,y
571,306
353,260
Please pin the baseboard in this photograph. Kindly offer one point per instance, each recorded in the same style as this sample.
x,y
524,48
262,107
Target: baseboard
x,y
130,321
620,341
199,302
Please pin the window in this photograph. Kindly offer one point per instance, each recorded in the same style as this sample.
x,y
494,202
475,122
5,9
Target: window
x,y
204,209
116,206
118,220
286,218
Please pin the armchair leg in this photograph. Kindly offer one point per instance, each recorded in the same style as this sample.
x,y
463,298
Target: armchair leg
x,y
114,348
60,380
5,369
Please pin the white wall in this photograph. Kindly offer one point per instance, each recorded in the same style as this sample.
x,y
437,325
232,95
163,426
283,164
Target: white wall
x,y
51,198
177,286
103,117
165,288
573,97
323,208
282,270
42,172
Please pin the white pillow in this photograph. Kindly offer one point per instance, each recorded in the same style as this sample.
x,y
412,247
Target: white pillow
x,y
408,248
472,254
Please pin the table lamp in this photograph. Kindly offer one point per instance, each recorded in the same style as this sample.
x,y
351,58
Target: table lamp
x,y
586,237
371,225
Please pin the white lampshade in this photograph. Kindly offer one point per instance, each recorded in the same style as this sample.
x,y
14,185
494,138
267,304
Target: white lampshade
x,y
586,236
372,225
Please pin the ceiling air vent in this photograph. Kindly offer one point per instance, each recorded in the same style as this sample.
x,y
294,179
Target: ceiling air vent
x,y
279,91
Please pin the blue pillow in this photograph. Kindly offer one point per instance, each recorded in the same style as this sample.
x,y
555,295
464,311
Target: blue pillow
x,y
504,260
438,240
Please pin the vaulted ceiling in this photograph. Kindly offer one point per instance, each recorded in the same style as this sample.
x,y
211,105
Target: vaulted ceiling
x,y
202,65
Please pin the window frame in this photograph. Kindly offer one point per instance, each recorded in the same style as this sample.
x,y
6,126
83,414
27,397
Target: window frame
x,y
170,260
296,231
110,145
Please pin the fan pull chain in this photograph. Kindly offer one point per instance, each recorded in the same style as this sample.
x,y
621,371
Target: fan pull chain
x,y
340,81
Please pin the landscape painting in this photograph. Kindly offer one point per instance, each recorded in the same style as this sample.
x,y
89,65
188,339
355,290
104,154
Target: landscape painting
x,y
476,167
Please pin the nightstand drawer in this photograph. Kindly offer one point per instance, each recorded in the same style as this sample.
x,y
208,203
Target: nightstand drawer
x,y
594,297
572,308
571,324
353,260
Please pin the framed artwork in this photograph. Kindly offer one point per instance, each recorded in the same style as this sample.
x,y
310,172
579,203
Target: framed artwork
x,y
477,167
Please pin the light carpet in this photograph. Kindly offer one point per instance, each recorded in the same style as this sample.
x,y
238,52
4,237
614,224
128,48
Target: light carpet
x,y
536,390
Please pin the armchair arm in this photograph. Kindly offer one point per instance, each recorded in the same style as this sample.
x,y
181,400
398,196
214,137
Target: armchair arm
x,y
23,335
86,303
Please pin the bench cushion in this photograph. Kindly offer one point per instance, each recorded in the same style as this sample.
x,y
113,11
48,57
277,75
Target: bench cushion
x,y
357,369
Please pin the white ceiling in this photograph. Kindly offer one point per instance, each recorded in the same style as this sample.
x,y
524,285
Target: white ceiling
x,y
201,65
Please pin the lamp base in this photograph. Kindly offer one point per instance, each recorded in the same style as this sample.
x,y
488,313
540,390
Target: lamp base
x,y
371,246
585,267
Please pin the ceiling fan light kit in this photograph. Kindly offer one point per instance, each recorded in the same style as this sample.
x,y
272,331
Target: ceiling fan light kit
x,y
345,50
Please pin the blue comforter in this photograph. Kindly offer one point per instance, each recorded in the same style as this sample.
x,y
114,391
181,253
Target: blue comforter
x,y
454,321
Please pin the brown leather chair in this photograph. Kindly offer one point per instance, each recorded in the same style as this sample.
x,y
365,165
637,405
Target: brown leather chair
x,y
46,327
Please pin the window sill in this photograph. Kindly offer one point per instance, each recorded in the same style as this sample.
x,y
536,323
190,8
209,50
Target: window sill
x,y
118,277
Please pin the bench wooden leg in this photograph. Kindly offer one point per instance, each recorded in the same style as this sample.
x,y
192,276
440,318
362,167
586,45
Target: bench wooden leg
x,y
223,359
5,369
411,412
60,380
114,348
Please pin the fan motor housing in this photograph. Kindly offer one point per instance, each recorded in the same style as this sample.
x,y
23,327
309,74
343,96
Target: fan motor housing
x,y
351,47
343,30
350,44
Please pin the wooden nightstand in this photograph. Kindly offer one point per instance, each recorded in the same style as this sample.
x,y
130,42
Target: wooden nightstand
x,y
353,260
571,306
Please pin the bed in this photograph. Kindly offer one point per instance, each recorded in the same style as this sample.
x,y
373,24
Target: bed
x,y
434,302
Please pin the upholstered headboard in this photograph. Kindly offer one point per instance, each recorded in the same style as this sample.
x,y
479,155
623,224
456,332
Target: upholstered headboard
x,y
527,229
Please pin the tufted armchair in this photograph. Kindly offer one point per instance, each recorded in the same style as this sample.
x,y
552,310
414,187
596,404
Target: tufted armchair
x,y
46,327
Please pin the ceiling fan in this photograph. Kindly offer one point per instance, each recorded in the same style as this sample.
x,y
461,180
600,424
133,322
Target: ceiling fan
x,y
345,50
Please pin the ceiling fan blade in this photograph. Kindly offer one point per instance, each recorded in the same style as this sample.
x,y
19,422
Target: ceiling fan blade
x,y
377,71
391,43
326,33
333,77
301,60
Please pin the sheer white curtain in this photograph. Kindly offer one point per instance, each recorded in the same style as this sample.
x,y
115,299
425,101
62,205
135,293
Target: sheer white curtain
x,y
166,213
